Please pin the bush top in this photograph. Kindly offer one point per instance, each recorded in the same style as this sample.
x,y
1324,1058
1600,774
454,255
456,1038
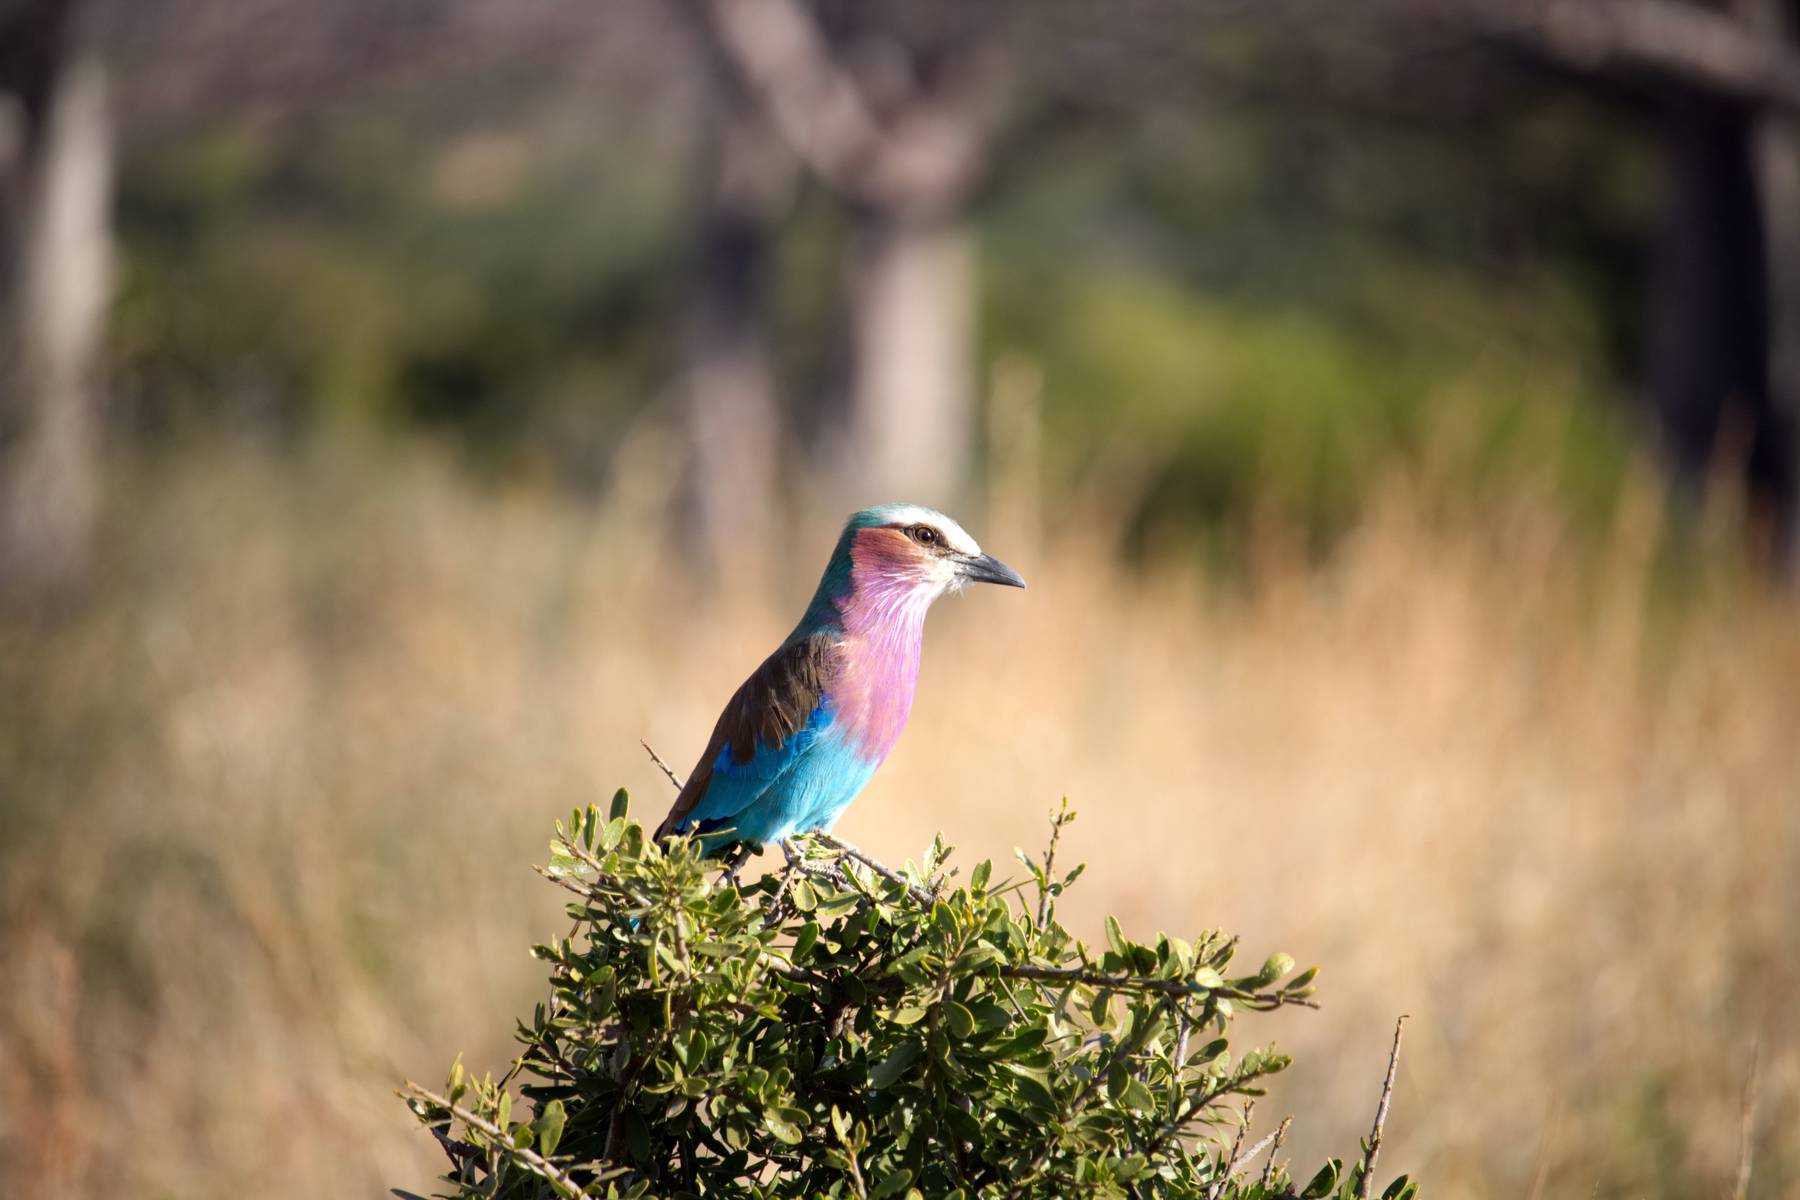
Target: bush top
x,y
839,1029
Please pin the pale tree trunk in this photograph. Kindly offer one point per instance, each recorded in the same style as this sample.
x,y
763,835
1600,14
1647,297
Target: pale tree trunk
x,y
911,299
732,420
899,134
55,290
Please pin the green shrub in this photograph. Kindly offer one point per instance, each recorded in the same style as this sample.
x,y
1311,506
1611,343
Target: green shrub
x,y
839,1029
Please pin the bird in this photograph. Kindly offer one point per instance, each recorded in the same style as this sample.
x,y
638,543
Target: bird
x,y
805,733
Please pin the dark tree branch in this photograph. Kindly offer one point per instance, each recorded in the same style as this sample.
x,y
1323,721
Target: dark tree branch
x,y
502,1140
1687,43
918,157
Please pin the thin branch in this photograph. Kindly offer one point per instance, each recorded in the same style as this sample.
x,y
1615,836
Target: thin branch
x,y
1387,1094
663,766
1144,983
1747,1131
888,873
537,1163
1274,1149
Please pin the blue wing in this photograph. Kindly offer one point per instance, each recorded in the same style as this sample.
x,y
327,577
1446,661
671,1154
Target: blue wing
x,y
770,726
752,801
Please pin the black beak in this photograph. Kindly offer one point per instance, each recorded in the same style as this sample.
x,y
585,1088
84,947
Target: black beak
x,y
988,569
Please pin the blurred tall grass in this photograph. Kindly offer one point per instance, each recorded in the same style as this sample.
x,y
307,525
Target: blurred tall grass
x,y
271,797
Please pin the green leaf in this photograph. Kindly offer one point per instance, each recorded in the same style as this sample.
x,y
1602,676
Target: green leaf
x,y
960,1019
1115,939
1323,1182
1035,1093
805,939
783,1129
804,897
894,1181
891,1068
621,805
1138,1097
1021,1043
549,1127
978,878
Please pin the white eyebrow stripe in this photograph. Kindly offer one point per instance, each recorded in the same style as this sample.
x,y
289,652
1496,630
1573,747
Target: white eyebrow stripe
x,y
916,514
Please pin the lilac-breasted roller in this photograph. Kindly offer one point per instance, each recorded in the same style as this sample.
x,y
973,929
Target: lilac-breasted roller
x,y
807,730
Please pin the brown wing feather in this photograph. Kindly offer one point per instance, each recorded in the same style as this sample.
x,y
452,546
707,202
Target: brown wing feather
x,y
770,707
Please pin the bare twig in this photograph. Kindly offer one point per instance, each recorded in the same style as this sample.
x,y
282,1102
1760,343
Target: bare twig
x,y
536,1162
663,766
1747,1131
1231,1160
1058,819
1247,1157
1540,1172
1274,1149
1381,1110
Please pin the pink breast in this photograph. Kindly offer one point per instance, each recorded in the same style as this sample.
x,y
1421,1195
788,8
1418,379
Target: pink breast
x,y
884,631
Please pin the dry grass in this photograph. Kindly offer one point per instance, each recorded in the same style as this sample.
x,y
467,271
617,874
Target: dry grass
x,y
270,801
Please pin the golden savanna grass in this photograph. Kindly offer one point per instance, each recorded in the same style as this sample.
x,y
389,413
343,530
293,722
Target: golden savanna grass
x,y
271,797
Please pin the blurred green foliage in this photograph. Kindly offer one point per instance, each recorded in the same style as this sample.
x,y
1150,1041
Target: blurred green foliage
x,y
841,1031
1243,308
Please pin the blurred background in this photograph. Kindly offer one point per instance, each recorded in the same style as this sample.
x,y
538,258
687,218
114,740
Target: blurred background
x,y
406,406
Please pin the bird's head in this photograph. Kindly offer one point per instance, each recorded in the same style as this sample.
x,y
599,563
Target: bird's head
x,y
904,548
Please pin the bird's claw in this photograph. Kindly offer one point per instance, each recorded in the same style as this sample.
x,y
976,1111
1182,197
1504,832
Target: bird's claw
x,y
735,863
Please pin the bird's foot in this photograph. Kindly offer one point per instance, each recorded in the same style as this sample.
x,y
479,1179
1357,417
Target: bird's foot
x,y
735,860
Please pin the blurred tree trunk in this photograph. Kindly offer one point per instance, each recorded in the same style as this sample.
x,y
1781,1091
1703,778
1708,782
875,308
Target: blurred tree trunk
x,y
1778,162
910,404
1725,356
55,191
1725,334
731,415
1711,350
899,133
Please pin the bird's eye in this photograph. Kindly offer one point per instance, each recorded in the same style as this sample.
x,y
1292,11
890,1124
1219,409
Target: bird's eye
x,y
925,535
